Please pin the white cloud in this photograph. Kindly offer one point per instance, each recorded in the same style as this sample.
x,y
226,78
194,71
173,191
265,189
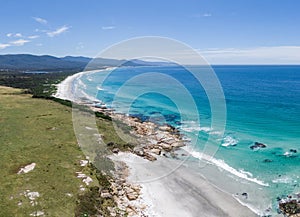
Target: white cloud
x,y
108,27
3,46
17,35
40,20
201,15
33,36
41,30
58,31
19,42
257,55
207,15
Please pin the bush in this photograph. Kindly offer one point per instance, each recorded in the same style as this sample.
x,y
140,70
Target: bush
x,y
103,116
87,203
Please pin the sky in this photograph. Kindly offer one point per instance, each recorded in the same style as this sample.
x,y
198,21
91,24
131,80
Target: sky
x,y
222,31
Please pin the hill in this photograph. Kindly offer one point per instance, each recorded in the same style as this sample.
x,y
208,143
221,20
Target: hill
x,y
28,62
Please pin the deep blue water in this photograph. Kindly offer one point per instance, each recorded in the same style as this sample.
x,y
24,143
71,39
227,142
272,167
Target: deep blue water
x,y
263,105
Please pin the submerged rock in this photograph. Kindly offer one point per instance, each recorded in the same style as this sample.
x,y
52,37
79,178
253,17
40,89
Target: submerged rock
x,y
258,145
245,195
293,150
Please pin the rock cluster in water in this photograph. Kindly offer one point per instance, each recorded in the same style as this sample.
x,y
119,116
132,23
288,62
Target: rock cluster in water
x,y
154,140
258,145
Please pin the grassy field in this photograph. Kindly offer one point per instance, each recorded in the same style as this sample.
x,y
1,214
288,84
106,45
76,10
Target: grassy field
x,y
37,131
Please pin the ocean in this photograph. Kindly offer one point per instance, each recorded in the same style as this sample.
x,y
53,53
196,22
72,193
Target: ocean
x,y
262,107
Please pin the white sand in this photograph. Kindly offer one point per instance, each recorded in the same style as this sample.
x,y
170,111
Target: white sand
x,y
65,88
179,193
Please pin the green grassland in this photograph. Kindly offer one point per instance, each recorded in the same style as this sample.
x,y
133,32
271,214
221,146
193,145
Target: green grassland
x,y
40,131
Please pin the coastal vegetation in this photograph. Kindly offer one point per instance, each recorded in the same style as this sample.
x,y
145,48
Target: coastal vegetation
x,y
45,137
37,84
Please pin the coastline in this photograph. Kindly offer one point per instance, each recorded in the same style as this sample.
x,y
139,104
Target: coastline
x,y
179,193
65,88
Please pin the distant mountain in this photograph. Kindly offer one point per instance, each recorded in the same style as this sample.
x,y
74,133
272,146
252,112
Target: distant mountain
x,y
105,62
31,62
27,62
77,59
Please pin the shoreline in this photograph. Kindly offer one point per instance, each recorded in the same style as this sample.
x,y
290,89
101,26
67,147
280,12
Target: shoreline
x,y
180,193
64,88
204,197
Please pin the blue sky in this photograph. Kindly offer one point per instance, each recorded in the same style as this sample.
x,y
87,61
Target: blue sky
x,y
223,31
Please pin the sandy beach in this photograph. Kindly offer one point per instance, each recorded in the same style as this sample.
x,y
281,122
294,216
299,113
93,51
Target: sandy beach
x,y
167,189
178,193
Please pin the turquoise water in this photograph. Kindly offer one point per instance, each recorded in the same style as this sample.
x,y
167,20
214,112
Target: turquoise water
x,y
263,105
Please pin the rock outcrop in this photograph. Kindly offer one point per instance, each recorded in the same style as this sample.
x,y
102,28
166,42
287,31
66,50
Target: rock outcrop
x,y
258,145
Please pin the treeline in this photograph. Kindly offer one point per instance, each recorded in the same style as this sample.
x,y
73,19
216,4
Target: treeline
x,y
39,85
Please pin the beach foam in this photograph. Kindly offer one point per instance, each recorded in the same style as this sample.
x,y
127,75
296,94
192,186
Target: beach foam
x,y
285,180
67,90
252,208
221,164
229,141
